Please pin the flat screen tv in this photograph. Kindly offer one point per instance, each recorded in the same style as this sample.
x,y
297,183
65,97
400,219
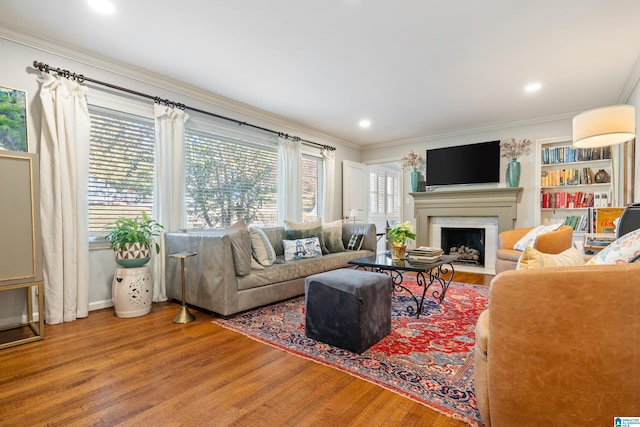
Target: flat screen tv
x,y
464,164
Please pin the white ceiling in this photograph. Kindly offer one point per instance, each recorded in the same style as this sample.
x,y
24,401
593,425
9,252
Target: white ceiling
x,y
415,68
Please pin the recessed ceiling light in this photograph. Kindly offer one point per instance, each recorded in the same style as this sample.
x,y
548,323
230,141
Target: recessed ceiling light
x,y
364,123
102,6
533,87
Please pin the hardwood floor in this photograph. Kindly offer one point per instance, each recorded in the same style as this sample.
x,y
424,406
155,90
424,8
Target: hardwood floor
x,y
104,370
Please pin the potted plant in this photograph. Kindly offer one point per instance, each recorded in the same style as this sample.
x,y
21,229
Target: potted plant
x,y
131,240
397,237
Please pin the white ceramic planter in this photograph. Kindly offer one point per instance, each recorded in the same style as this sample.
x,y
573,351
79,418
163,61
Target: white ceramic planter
x,y
132,291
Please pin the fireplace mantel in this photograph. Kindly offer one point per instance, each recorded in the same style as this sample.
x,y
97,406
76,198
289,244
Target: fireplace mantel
x,y
491,202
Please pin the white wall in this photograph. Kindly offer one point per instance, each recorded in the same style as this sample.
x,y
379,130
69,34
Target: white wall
x,y
18,53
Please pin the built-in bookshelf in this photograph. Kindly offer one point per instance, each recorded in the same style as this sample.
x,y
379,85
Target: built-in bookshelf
x,y
572,183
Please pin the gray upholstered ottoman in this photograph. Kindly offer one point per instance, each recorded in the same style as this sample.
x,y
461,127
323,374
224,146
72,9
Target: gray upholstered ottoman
x,y
350,309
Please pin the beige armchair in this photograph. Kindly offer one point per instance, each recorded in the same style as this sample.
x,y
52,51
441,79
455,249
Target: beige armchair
x,y
560,347
548,243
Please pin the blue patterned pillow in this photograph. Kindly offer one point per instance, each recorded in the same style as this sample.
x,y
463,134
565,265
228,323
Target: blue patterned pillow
x,y
302,248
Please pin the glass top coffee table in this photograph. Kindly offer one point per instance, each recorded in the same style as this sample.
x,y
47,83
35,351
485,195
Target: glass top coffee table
x,y
428,274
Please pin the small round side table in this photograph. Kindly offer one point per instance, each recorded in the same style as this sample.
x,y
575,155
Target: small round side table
x,y
183,316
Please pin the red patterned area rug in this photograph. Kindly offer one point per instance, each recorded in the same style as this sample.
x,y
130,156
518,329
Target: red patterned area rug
x,y
429,360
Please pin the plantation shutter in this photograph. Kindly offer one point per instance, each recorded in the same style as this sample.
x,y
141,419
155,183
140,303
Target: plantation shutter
x,y
376,192
229,180
121,167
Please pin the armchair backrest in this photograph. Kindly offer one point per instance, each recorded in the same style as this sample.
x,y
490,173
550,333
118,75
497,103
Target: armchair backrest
x,y
564,346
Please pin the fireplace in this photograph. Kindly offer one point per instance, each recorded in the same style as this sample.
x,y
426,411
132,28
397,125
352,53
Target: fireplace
x,y
467,243
493,209
488,227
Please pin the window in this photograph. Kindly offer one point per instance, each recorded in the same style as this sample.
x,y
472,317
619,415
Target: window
x,y
384,193
121,167
311,187
229,179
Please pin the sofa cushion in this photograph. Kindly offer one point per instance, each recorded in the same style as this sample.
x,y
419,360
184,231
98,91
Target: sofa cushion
x,y
532,258
301,248
529,238
303,230
297,269
332,234
624,250
262,250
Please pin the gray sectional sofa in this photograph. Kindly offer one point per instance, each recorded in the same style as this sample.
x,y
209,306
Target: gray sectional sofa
x,y
220,278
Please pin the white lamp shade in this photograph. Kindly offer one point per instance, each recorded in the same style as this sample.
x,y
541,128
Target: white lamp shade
x,y
604,126
353,213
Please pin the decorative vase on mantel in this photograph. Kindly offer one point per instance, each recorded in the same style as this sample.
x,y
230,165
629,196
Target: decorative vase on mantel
x,y
398,251
415,178
513,173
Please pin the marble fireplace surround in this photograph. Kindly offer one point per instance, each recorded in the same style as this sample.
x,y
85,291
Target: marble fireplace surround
x,y
494,209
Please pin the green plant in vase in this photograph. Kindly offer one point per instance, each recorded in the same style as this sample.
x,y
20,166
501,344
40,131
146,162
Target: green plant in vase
x,y
398,236
131,240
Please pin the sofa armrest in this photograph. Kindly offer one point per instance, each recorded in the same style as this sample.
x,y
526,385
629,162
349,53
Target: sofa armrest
x,y
210,276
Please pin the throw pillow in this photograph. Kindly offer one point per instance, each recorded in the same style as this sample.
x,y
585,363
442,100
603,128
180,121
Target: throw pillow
x,y
532,258
529,238
262,249
624,250
355,242
305,230
301,248
332,233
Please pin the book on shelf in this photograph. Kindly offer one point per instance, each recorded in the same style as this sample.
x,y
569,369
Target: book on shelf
x,y
577,222
569,154
563,199
566,177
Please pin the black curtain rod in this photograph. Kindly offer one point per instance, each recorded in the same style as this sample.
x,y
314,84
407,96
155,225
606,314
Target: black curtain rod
x,y
80,78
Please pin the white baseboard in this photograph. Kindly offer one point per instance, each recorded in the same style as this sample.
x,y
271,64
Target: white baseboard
x,y
98,305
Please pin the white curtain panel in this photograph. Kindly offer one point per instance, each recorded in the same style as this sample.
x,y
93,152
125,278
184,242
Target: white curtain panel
x,y
328,184
64,174
289,180
169,185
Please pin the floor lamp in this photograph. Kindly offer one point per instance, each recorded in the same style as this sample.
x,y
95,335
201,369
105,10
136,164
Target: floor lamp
x,y
605,126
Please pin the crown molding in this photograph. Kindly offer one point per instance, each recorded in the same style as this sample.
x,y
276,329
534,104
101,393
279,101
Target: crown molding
x,y
151,78
632,82
470,131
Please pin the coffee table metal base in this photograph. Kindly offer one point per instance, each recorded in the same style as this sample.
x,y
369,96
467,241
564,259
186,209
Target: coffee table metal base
x,y
433,278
